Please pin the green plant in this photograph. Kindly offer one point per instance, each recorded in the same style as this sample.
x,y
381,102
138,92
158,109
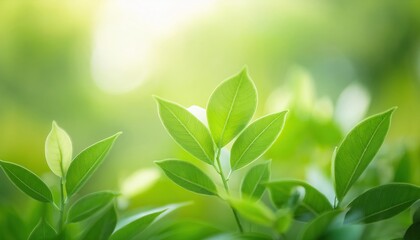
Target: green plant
x,y
229,110
98,208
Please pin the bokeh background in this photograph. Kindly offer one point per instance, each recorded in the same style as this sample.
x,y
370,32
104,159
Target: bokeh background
x,y
93,67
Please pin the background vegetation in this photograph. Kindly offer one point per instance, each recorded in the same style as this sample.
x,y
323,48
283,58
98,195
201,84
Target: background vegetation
x,y
93,68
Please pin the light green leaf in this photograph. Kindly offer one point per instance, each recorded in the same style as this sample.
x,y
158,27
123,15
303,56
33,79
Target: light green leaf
x,y
251,186
136,225
86,163
313,204
186,130
284,218
89,205
58,150
254,211
27,181
358,149
188,176
382,202
103,227
256,139
318,227
231,107
43,231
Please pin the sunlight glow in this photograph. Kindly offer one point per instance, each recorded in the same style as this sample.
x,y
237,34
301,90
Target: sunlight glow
x,y
139,182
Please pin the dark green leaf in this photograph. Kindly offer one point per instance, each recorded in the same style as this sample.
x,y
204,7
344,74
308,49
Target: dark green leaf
x,y
86,163
186,130
231,107
27,181
103,227
254,211
188,176
251,186
136,225
58,150
314,203
358,149
317,227
88,205
413,232
43,231
256,139
382,202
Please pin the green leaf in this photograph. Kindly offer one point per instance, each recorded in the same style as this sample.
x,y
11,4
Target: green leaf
x,y
317,227
186,130
43,231
256,139
313,204
136,225
188,176
231,107
251,186
382,202
58,150
103,227
358,149
413,232
254,211
89,205
86,163
27,181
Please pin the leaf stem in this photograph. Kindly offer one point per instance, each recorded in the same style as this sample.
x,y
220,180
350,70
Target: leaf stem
x,y
226,185
62,207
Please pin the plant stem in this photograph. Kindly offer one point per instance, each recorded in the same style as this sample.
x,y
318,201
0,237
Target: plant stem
x,y
62,207
225,184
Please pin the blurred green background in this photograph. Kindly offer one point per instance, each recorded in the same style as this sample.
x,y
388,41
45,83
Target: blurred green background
x,y
93,67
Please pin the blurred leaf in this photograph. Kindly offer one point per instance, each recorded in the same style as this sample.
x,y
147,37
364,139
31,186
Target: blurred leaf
x,y
188,176
89,205
86,163
43,231
181,229
251,186
256,139
284,218
103,227
241,236
345,232
58,150
413,232
317,227
138,224
27,181
314,203
382,202
254,211
416,215
358,149
186,130
403,169
231,107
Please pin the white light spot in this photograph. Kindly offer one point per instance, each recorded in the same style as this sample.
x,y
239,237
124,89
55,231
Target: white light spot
x,y
139,182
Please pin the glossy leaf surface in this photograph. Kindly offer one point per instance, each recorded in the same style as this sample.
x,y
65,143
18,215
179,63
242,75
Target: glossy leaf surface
x,y
186,130
86,163
358,149
256,139
188,176
27,181
231,107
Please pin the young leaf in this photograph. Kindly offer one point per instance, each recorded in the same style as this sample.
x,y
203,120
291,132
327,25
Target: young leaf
x,y
231,107
89,205
137,225
254,211
256,139
314,203
317,227
382,202
358,149
188,176
186,130
251,186
43,231
58,150
103,227
27,181
85,164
